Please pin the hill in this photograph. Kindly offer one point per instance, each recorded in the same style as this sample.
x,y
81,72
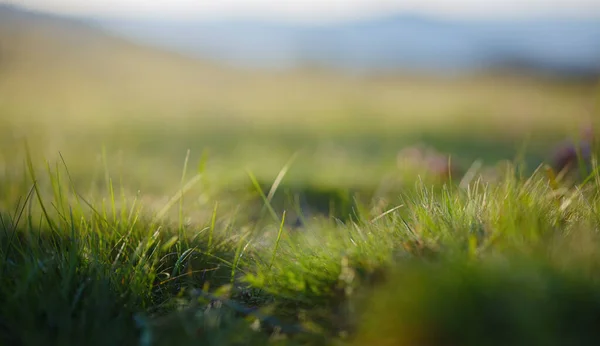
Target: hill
x,y
57,70
64,65
395,42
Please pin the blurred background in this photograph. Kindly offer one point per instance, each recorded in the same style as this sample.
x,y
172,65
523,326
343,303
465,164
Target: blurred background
x,y
358,91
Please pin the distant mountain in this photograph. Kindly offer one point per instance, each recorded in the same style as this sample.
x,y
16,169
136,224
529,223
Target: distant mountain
x,y
395,42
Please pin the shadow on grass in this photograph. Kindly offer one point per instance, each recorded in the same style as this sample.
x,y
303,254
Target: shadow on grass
x,y
94,280
521,303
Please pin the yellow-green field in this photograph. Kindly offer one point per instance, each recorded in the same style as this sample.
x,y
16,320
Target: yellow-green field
x,y
72,89
141,197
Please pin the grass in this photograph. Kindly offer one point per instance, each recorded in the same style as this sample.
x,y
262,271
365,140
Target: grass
x,y
416,269
287,234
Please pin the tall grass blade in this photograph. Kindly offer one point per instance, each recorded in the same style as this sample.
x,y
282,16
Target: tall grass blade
x,y
262,195
161,214
277,241
211,230
31,170
280,177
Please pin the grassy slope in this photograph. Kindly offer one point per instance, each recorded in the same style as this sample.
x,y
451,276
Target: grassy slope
x,y
84,259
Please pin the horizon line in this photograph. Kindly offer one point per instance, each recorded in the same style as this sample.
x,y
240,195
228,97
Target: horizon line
x,y
249,17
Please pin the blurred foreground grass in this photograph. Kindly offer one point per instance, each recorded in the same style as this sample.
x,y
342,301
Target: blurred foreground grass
x,y
137,217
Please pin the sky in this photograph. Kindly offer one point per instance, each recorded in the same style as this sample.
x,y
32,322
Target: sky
x,y
317,10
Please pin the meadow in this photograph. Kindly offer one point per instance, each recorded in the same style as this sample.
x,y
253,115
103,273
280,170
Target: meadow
x,y
152,199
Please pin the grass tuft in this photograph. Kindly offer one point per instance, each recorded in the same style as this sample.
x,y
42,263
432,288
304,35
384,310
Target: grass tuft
x,y
514,258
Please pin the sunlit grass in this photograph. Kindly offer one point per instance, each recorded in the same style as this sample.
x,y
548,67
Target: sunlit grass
x,y
104,269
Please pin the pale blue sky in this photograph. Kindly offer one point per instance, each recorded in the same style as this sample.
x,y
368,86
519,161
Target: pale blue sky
x,y
318,10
